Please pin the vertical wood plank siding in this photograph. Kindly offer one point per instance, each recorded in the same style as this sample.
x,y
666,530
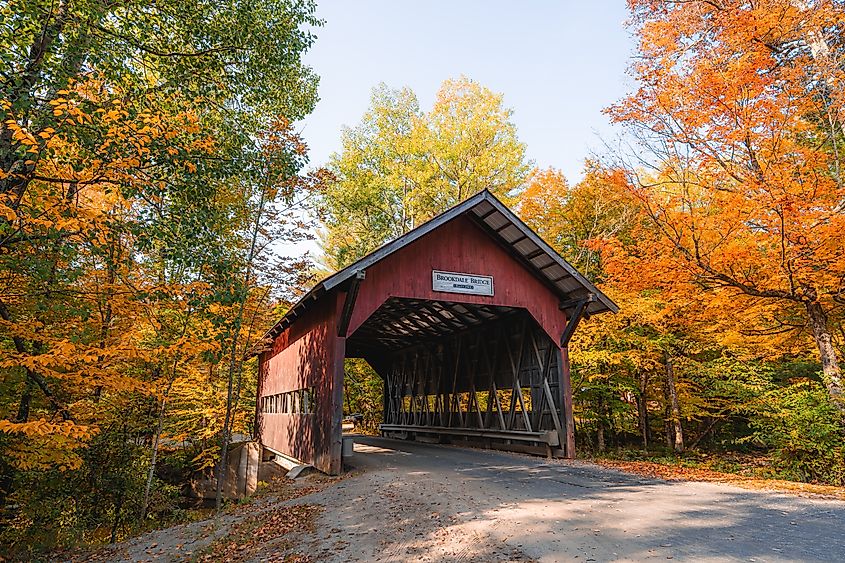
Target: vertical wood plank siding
x,y
457,246
307,354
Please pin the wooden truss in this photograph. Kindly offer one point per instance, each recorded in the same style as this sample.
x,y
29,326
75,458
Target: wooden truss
x,y
468,372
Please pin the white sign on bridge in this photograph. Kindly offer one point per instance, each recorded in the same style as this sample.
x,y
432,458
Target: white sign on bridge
x,y
454,282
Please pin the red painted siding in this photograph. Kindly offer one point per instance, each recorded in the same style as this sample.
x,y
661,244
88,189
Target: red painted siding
x,y
310,354
307,354
458,246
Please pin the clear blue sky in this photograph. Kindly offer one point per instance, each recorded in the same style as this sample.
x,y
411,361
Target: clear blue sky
x,y
557,64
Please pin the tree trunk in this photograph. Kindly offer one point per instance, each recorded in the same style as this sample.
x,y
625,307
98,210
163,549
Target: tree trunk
x,y
26,401
642,410
668,433
233,360
827,353
713,421
677,432
600,437
118,507
615,440
600,429
159,425
152,469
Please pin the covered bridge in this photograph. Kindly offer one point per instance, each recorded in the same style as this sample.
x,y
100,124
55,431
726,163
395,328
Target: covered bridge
x,y
466,319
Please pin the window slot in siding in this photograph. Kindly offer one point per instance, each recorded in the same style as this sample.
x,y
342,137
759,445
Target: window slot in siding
x,y
300,401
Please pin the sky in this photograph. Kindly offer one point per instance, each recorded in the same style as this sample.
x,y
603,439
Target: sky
x,y
558,64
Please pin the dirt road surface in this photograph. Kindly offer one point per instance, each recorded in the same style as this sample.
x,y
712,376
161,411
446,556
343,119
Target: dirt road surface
x,y
437,503
407,501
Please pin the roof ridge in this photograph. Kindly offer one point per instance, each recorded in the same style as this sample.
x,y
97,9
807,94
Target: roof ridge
x,y
466,206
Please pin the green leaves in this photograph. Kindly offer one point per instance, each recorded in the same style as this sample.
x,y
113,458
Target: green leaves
x,y
401,166
138,142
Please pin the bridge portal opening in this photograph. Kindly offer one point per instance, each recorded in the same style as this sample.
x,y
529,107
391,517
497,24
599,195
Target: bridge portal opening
x,y
463,372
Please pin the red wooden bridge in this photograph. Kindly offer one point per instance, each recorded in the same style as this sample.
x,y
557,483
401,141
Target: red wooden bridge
x,y
466,319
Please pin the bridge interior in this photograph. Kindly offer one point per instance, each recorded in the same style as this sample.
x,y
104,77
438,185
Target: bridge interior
x,y
465,372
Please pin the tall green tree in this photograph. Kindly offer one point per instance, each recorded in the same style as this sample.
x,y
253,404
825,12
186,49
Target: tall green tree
x,y
401,166
130,181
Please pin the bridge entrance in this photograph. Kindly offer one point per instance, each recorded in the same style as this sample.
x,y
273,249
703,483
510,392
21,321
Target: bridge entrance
x,y
455,371
466,319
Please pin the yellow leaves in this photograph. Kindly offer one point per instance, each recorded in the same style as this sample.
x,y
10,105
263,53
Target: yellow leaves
x,y
205,459
113,115
42,427
68,224
41,445
206,144
24,138
104,325
70,107
22,135
59,106
7,212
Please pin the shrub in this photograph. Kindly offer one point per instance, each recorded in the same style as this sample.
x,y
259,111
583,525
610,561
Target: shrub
x,y
804,431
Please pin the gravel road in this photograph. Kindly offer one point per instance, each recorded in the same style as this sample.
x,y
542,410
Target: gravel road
x,y
425,502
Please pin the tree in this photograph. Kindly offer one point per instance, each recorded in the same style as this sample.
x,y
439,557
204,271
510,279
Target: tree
x,y
736,107
470,144
616,360
573,219
130,176
401,166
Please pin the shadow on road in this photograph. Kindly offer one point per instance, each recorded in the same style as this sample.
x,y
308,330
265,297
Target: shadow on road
x,y
430,502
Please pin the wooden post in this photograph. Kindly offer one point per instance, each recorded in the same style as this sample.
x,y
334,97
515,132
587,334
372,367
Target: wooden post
x,y
337,405
349,304
262,375
566,402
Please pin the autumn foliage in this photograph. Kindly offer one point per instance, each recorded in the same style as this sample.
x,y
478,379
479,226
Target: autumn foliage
x,y
740,108
736,149
135,206
149,169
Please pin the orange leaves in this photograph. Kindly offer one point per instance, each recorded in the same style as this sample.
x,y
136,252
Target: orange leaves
x,y
6,212
71,111
251,536
113,115
42,452
718,71
42,427
741,201
42,445
100,316
22,136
